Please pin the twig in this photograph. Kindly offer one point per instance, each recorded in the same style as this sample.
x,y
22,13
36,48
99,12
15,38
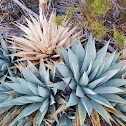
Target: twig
x,y
26,9
117,5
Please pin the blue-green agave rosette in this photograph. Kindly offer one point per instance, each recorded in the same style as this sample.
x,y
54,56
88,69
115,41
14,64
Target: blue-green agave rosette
x,y
94,79
6,61
31,93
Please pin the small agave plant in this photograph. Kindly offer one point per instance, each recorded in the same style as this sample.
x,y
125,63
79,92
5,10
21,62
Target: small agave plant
x,y
94,80
6,61
32,94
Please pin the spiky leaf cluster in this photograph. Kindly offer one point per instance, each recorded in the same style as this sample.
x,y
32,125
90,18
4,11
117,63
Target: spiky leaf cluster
x,y
32,93
42,37
6,61
93,77
121,107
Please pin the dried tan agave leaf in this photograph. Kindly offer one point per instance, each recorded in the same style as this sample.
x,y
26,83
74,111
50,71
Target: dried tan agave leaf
x,y
42,37
110,117
95,118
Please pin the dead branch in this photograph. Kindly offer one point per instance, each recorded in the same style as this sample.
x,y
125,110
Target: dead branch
x,y
26,9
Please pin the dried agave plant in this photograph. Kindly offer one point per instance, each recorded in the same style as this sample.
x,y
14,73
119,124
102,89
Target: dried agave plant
x,y
42,37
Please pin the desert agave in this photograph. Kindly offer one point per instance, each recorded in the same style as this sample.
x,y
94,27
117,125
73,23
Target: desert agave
x,y
121,108
6,61
32,94
42,37
94,79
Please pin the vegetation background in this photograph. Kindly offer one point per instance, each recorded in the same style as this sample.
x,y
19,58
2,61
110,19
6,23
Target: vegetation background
x,y
106,19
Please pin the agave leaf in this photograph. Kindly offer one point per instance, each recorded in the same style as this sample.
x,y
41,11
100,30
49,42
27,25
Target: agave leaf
x,y
108,61
82,112
100,71
61,54
26,111
90,48
40,115
100,109
73,100
119,74
80,53
29,76
52,100
89,91
58,85
16,101
3,87
2,62
79,91
115,83
87,104
22,122
42,70
4,77
4,46
93,84
103,51
74,45
33,88
17,87
93,74
4,109
66,57
121,107
107,90
100,100
113,98
98,62
35,98
65,72
24,85
90,54
89,68
12,72
116,56
69,122
115,66
3,97
3,57
4,66
20,101
43,91
33,69
44,105
47,76
84,79
74,65
108,74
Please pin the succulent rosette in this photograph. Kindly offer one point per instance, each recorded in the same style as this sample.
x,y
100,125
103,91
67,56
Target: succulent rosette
x,y
6,61
31,93
94,79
